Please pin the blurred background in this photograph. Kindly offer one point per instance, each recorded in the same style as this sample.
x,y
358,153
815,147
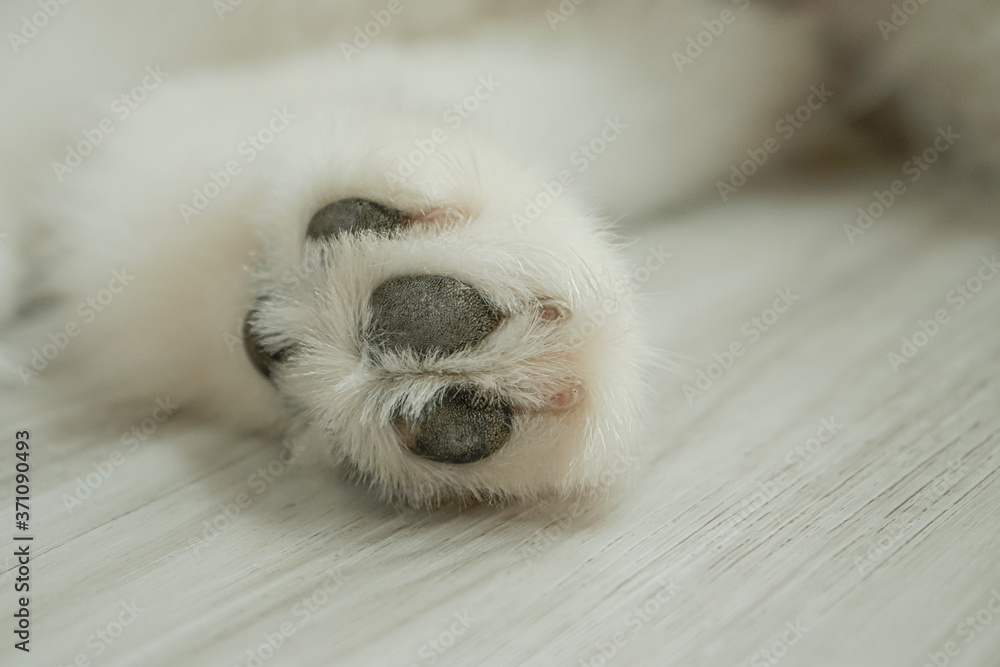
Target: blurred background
x,y
818,482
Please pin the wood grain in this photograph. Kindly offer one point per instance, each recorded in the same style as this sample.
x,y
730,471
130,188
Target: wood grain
x,y
874,543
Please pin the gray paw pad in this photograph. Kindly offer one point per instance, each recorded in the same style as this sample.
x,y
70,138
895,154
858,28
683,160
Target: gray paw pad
x,y
354,215
462,428
429,315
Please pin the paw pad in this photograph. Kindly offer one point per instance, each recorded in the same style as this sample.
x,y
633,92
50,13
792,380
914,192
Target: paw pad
x,y
462,427
429,315
352,216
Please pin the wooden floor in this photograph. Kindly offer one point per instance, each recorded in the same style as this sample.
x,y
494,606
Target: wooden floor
x,y
807,504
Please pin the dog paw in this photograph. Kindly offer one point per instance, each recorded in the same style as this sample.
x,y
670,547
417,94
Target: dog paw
x,y
441,348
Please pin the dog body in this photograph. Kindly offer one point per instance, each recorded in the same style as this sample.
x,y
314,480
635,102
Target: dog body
x,y
181,244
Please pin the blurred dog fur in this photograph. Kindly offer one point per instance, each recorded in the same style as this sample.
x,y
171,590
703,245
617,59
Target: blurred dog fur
x,y
157,285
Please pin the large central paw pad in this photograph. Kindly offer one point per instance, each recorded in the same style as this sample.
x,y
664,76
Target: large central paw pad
x,y
442,355
429,315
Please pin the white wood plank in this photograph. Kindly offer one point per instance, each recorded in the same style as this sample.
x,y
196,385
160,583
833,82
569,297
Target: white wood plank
x,y
914,464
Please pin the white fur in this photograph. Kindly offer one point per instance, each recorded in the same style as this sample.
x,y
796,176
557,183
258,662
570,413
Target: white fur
x,y
173,330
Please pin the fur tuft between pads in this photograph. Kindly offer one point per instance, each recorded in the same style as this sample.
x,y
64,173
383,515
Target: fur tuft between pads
x,y
416,330
369,374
